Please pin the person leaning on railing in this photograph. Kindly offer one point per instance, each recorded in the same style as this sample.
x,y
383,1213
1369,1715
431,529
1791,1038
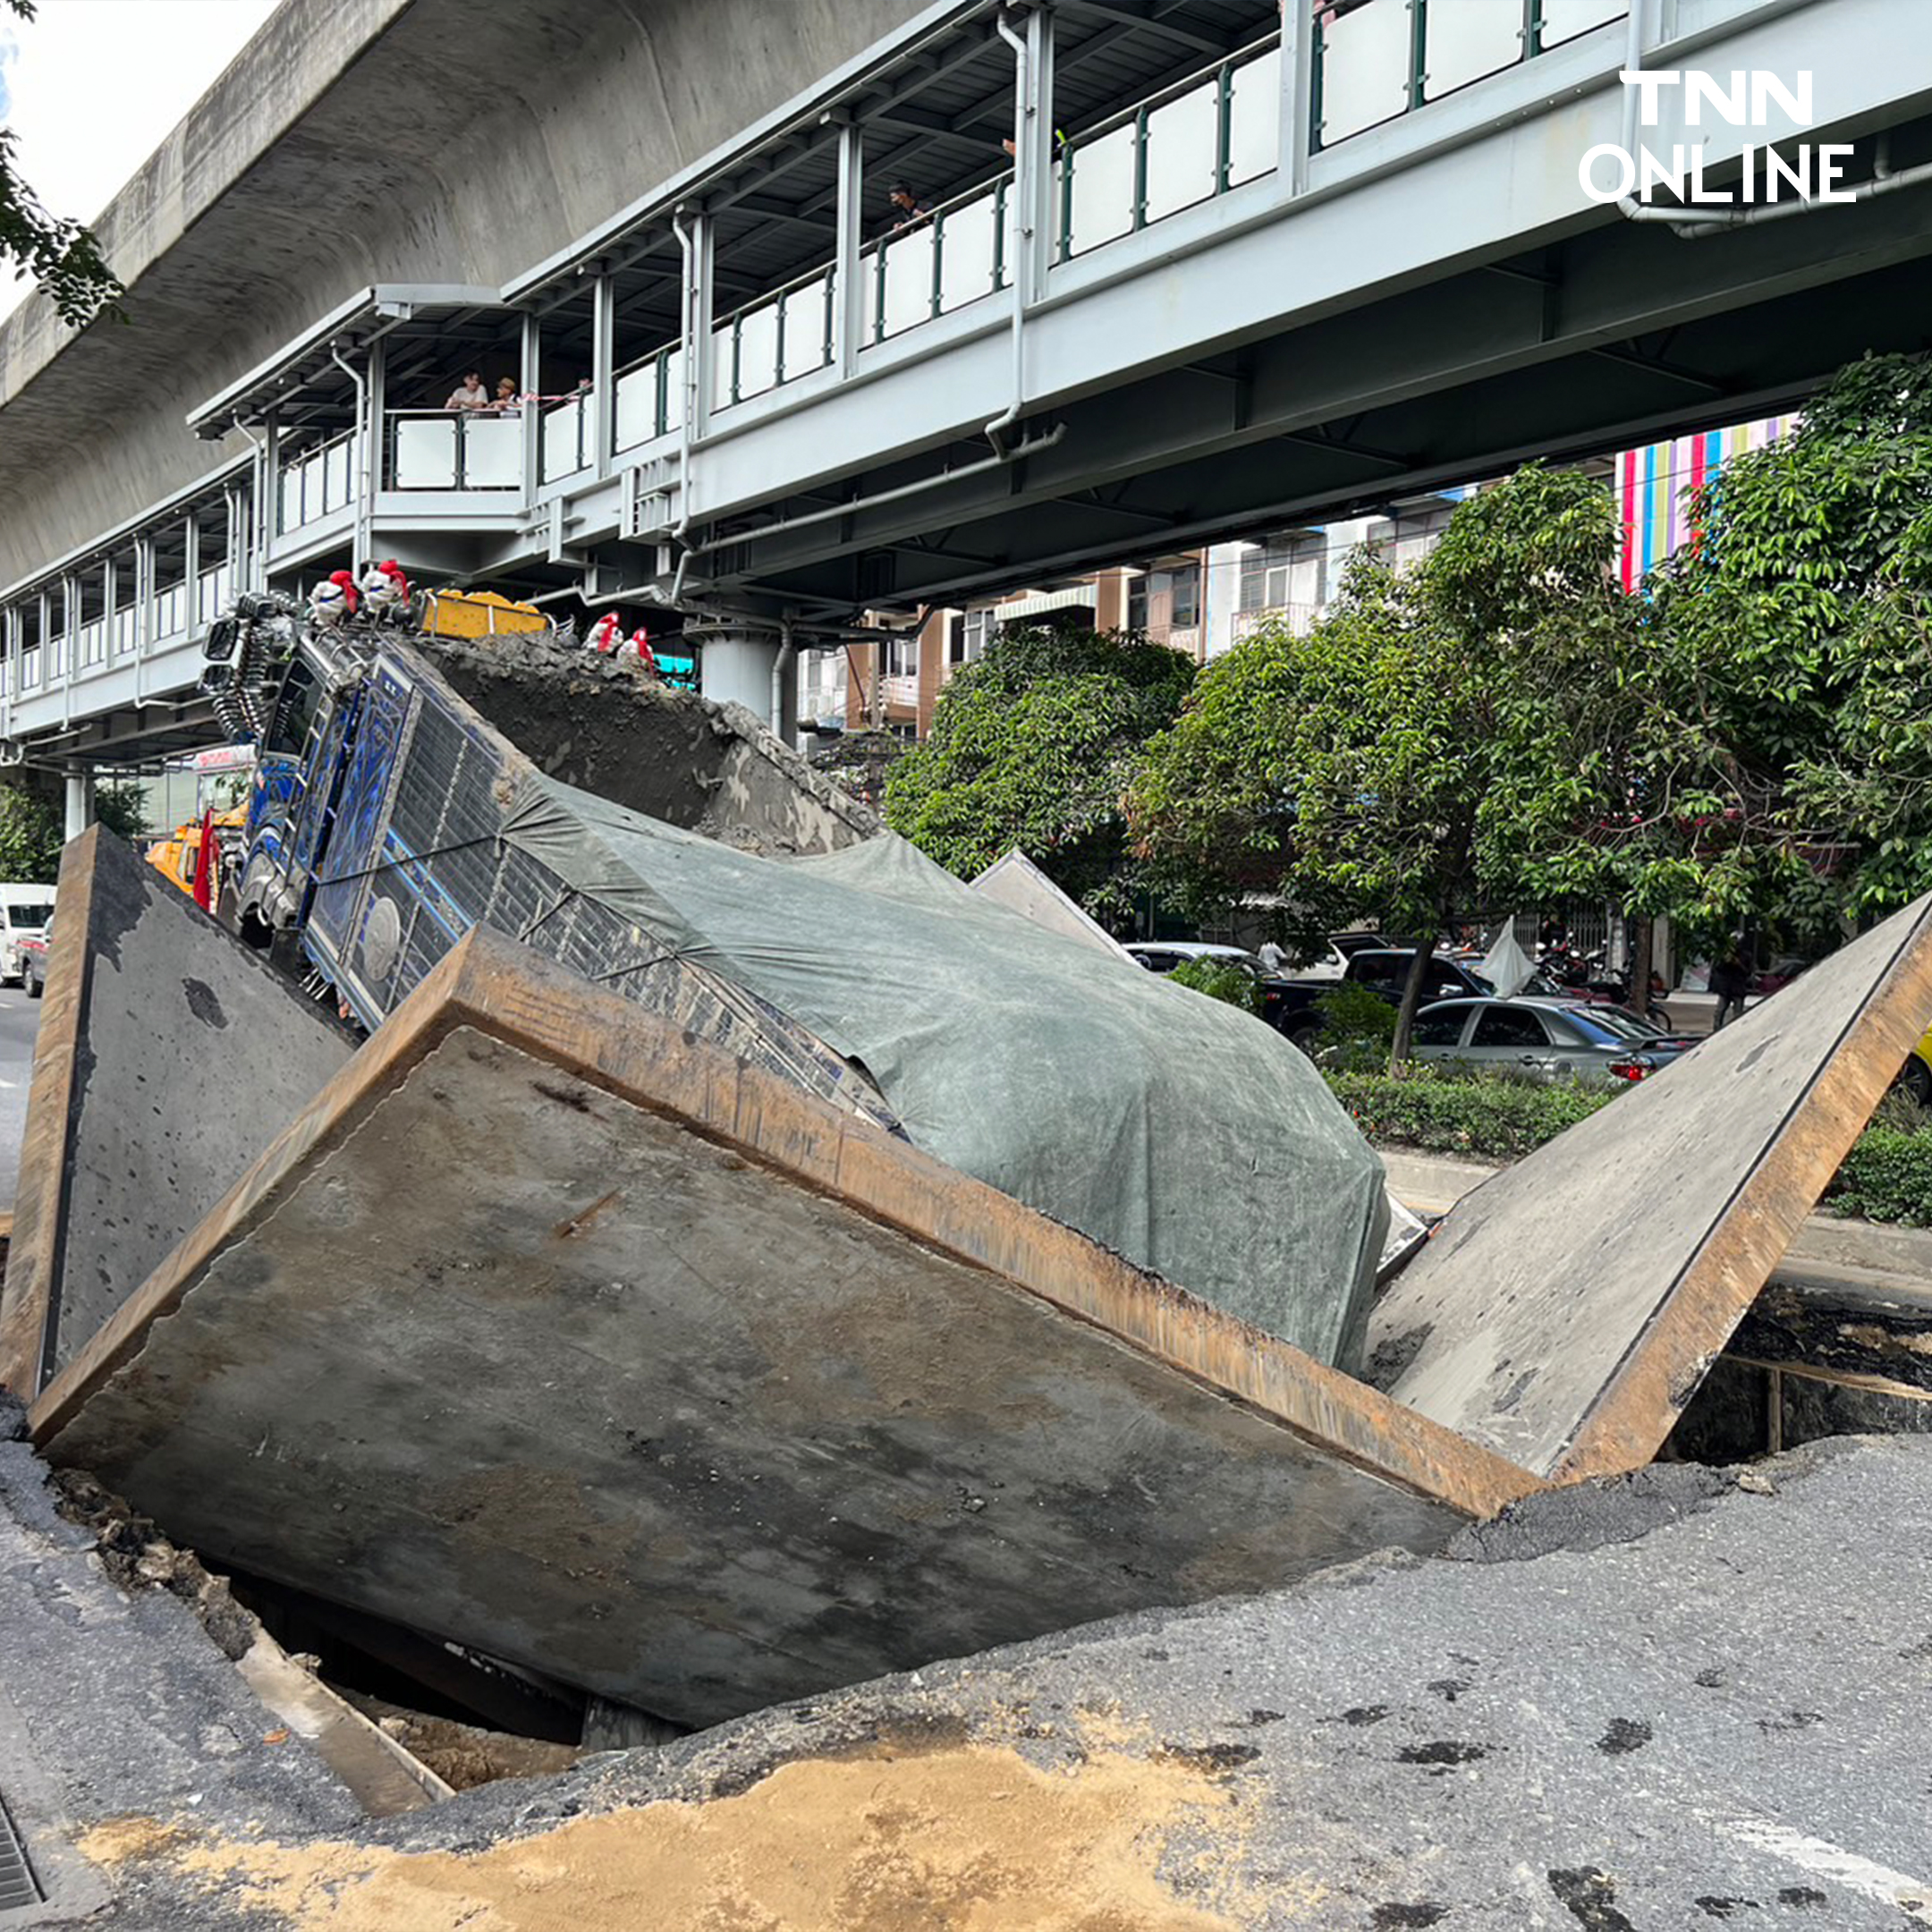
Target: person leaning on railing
x,y
470,395
906,208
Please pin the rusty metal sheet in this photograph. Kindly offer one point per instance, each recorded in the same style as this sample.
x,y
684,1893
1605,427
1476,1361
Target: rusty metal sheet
x,y
551,1331
1568,1307
168,1057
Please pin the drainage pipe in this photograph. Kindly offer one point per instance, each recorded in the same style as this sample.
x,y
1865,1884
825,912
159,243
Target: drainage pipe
x,y
779,664
995,431
365,516
691,322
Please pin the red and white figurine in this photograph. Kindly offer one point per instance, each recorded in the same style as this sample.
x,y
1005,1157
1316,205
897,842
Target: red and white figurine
x,y
385,590
640,644
605,634
334,600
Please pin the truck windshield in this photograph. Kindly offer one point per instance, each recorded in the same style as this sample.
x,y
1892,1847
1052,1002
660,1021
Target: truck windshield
x,y
295,709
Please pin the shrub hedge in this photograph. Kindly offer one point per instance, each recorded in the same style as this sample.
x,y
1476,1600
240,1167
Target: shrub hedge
x,y
1887,1177
1487,1119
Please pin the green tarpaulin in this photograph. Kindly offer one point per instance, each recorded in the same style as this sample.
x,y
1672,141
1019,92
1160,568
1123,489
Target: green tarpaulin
x,y
1181,1132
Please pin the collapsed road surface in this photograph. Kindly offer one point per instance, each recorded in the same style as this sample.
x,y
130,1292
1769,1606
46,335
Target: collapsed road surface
x,y
741,1260
1597,1717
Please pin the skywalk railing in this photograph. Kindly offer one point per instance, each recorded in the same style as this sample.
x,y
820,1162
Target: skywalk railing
x,y
769,342
1377,59
938,261
650,395
456,450
316,483
1211,131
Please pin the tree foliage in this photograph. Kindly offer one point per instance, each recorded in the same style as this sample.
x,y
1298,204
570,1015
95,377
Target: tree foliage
x,y
1467,731
1795,627
61,255
1033,746
29,836
122,810
32,827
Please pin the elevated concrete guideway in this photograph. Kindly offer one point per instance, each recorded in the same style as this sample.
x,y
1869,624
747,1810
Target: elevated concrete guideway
x,y
1245,268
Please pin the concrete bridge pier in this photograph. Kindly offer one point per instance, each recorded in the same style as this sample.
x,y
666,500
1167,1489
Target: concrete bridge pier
x,y
744,662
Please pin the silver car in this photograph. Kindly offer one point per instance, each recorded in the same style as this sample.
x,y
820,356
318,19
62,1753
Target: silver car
x,y
1546,1040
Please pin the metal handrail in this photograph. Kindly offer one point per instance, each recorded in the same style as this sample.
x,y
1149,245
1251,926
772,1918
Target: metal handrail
x,y
996,187
1241,57
928,217
1529,39
1218,73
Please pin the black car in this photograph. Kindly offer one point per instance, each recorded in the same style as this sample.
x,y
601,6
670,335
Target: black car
x,y
1385,969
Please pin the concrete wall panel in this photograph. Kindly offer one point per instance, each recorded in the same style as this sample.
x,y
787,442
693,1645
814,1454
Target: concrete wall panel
x,y
550,1331
169,1055
1566,1310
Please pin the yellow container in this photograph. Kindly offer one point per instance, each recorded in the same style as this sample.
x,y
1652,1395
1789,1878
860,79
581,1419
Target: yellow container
x,y
470,613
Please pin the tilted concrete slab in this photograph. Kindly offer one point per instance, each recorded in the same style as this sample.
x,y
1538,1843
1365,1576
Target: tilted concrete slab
x,y
550,1330
1567,1310
168,1056
1020,886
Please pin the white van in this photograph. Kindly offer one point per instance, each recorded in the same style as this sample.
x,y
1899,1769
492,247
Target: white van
x,y
24,912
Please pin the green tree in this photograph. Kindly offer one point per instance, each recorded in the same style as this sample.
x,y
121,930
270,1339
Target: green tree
x,y
29,836
122,810
1471,730
1034,746
1795,630
61,255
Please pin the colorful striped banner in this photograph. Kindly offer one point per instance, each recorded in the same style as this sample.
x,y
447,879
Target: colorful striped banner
x,y
1654,486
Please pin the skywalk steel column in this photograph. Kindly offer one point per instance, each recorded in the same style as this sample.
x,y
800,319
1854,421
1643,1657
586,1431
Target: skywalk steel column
x,y
736,660
531,366
1033,163
79,803
603,371
848,311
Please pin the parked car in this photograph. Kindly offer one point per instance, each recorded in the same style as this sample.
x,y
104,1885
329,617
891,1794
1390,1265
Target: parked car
x,y
24,912
1292,1006
1163,955
1385,969
1330,961
1915,1077
33,953
1546,1040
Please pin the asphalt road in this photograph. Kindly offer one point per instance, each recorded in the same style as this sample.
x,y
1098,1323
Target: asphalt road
x,y
20,1020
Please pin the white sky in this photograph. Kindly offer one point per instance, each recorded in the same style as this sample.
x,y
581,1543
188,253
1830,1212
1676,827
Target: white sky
x,y
93,87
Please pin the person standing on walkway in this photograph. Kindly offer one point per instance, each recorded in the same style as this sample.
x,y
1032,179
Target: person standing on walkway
x,y
1730,978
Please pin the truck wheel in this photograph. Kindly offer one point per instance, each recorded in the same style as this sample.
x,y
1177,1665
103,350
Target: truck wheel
x,y
36,986
1915,1078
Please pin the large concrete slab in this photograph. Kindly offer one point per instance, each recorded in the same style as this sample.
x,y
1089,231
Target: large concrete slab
x,y
169,1055
1567,1310
550,1330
